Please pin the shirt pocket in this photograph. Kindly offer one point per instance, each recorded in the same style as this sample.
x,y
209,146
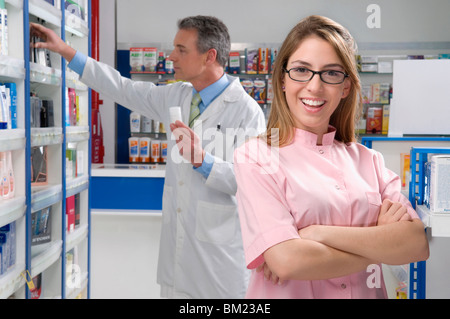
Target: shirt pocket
x,y
215,223
374,201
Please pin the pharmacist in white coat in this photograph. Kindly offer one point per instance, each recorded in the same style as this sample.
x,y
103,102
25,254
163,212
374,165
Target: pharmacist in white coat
x,y
201,253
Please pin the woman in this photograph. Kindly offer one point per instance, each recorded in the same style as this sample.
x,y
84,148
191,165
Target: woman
x,y
318,211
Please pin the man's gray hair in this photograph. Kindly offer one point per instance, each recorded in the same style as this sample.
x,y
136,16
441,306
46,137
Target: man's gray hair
x,y
212,34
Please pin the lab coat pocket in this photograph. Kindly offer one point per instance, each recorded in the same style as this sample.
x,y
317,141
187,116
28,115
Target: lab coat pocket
x,y
216,223
167,203
374,200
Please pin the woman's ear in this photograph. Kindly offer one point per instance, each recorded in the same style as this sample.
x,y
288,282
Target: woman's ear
x,y
347,87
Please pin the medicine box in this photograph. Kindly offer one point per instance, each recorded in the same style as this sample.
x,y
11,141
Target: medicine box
x,y
439,182
137,59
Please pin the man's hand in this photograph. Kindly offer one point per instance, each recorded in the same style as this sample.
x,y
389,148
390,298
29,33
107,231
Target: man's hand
x,y
51,42
391,212
188,143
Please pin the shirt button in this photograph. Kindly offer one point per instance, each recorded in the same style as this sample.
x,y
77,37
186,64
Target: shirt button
x,y
343,286
321,151
181,183
178,210
337,187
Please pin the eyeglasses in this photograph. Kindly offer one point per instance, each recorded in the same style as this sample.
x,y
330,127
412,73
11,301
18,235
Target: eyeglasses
x,y
327,76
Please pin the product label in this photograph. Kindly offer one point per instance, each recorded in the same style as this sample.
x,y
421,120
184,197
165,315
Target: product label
x,y
136,59
134,150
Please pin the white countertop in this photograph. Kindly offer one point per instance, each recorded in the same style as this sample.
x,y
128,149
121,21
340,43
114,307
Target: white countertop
x,y
128,170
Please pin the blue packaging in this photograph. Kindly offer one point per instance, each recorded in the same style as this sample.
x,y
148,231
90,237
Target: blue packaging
x,y
10,229
4,253
4,110
13,94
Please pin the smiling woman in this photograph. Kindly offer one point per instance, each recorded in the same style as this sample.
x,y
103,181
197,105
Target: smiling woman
x,y
330,212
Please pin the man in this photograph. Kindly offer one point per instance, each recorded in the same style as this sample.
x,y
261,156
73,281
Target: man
x,y
201,254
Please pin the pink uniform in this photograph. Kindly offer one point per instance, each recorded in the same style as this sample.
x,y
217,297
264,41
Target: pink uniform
x,y
281,190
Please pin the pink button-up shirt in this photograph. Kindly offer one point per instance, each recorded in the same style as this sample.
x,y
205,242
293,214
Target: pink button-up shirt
x,y
281,190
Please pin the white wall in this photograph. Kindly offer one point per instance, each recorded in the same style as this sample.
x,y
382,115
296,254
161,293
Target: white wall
x,y
264,21
269,21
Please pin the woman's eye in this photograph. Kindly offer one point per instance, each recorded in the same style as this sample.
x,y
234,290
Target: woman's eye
x,y
301,70
333,73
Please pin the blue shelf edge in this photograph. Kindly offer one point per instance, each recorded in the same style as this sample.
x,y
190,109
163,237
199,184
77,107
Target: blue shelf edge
x,y
367,140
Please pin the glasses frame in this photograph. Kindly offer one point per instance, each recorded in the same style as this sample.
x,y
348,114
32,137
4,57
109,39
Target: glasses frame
x,y
314,73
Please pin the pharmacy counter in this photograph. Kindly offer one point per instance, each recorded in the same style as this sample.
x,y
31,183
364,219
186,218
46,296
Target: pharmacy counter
x,y
127,186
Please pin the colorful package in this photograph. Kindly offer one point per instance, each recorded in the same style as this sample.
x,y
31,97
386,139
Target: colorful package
x,y
137,59
149,59
374,120
252,61
263,57
259,91
248,86
234,63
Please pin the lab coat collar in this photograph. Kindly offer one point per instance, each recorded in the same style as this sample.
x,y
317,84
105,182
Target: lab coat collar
x,y
230,94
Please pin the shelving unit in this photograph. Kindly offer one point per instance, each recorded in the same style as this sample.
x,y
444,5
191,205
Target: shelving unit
x,y
48,259
438,223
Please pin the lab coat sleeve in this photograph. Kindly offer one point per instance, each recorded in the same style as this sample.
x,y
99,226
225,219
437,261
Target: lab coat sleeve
x,y
141,96
222,177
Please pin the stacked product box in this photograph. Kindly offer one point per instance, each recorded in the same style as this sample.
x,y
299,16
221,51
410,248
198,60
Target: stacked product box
x,y
437,184
7,247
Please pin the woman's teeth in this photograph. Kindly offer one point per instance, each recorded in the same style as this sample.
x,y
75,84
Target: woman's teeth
x,y
313,102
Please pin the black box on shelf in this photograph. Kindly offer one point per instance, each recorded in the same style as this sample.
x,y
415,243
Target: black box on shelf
x,y
47,118
41,230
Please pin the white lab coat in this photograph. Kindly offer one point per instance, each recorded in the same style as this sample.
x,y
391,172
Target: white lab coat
x,y
201,253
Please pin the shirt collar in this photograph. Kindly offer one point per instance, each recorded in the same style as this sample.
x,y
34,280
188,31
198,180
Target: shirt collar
x,y
209,93
310,139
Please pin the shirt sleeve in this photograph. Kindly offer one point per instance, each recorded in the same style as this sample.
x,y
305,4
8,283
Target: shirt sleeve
x,y
207,164
263,210
78,63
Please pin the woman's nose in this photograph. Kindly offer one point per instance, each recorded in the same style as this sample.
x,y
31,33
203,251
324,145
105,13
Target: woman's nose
x,y
315,84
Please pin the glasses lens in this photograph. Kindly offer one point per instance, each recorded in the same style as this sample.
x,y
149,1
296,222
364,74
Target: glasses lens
x,y
333,77
300,74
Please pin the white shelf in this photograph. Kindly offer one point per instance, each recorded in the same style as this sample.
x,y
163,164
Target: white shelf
x,y
76,185
15,3
45,75
45,196
77,133
46,136
45,11
12,68
76,25
11,140
76,236
438,222
46,258
73,81
11,281
11,210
